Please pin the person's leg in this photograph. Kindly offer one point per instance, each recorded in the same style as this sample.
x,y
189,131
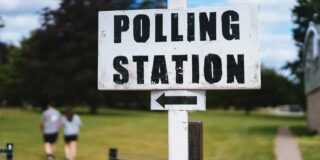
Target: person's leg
x,y
73,147
53,148
47,148
49,151
67,151
50,145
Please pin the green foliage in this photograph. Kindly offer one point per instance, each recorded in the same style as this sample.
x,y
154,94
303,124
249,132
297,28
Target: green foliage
x,y
276,90
60,58
10,77
309,142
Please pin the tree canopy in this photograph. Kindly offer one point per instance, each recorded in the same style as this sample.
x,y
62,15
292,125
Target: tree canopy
x,y
60,58
58,62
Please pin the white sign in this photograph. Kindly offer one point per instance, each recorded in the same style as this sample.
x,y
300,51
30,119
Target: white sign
x,y
202,48
178,100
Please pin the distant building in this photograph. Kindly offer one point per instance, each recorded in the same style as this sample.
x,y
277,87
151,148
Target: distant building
x,y
286,110
312,75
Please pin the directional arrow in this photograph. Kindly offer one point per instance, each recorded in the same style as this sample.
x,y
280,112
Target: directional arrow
x,y
176,100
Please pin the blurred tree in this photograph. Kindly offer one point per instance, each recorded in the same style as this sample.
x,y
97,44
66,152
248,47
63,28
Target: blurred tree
x,y
304,12
60,58
276,90
4,52
10,78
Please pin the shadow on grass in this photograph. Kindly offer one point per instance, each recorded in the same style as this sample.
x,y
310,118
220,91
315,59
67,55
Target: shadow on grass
x,y
257,115
263,130
86,113
277,117
302,131
299,131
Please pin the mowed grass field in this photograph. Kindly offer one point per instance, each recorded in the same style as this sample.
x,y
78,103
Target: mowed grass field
x,y
142,135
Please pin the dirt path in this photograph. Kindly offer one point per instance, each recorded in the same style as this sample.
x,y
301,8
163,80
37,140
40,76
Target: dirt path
x,y
286,147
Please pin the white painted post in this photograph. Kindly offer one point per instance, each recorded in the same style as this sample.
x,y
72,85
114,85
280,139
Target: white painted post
x,y
178,120
178,135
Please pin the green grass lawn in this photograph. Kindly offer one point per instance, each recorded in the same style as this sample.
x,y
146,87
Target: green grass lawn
x,y
142,135
309,143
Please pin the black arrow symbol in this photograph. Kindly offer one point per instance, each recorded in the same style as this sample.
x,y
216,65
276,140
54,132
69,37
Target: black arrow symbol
x,y
176,100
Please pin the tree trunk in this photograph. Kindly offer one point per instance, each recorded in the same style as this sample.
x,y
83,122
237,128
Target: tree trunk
x,y
248,110
93,109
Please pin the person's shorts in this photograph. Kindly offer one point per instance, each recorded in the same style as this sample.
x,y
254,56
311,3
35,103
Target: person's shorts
x,y
50,138
69,138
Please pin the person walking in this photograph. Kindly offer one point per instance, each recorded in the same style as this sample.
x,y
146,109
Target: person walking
x,y
50,123
71,125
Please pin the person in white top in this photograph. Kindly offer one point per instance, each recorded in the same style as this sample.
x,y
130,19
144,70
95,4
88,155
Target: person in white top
x,y
71,123
49,127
